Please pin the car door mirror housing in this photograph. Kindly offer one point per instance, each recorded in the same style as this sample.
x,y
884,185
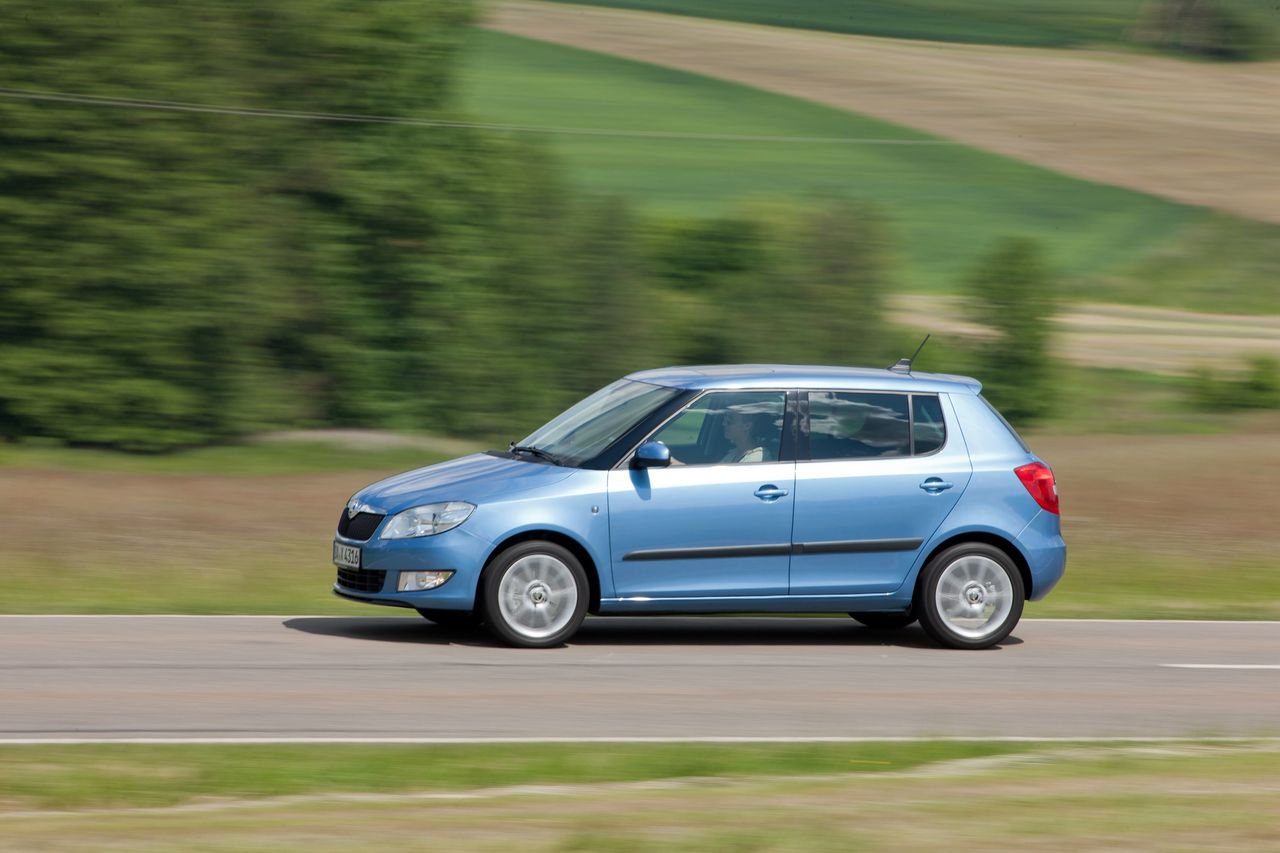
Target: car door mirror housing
x,y
652,454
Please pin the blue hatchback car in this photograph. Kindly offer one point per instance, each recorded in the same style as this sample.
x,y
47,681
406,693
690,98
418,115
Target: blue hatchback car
x,y
890,495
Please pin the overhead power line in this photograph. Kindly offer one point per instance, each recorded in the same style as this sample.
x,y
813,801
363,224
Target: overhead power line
x,y
298,115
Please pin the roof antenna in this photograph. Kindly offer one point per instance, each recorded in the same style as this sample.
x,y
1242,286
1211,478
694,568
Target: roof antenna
x,y
903,365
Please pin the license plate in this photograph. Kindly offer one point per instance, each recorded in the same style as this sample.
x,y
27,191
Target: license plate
x,y
347,556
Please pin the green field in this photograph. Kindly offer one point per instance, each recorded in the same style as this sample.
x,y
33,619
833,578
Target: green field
x,y
603,797
1020,22
946,203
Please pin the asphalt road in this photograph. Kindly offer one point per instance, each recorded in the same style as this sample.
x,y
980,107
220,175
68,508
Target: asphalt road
x,y
400,677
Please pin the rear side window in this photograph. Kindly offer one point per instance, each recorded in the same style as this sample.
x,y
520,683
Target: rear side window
x,y
850,425
868,425
928,429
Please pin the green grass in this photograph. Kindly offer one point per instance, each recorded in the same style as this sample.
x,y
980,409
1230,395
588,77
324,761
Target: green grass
x,y
1019,22
264,459
1109,582
1095,401
103,776
1118,796
1092,401
1215,264
284,576
1102,581
946,204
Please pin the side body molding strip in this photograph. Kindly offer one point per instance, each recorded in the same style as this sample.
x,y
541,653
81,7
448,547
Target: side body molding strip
x,y
703,553
856,546
851,546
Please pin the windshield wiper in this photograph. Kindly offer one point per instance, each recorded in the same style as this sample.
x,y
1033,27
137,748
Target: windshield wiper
x,y
533,451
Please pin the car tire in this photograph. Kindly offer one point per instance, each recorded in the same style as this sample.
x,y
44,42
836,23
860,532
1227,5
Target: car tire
x,y
885,621
535,595
451,618
970,596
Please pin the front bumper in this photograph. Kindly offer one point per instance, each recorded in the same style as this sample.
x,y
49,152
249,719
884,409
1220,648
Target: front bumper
x,y
382,561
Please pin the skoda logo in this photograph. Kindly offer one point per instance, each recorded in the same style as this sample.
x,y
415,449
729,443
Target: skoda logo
x,y
353,507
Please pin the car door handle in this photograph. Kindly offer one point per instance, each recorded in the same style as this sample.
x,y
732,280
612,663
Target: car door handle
x,y
770,493
934,485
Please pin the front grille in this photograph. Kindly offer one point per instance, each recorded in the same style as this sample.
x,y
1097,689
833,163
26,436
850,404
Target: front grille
x,y
361,580
359,528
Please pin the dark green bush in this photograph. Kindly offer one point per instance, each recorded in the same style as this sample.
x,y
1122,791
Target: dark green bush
x,y
1258,387
1215,29
1012,293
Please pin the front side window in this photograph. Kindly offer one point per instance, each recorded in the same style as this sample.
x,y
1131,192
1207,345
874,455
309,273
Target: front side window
x,y
855,425
726,427
585,430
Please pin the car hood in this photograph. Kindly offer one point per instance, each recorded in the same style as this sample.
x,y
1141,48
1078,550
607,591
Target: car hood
x,y
475,478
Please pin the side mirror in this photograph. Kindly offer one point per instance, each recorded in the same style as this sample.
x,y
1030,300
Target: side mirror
x,y
652,454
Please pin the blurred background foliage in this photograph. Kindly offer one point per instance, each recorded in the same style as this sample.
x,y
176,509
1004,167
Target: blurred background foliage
x,y
181,278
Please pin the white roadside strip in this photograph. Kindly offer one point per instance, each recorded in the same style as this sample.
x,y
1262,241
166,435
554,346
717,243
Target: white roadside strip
x,y
470,741
1222,665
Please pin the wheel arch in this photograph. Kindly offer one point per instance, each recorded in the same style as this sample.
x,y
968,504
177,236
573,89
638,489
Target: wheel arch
x,y
555,537
986,537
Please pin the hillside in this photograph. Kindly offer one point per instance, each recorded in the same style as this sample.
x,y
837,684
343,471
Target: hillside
x,y
946,202
1195,133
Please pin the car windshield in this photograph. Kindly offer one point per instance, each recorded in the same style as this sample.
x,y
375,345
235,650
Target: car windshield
x,y
584,431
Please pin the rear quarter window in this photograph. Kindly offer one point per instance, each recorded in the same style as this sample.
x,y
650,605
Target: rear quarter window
x,y
928,427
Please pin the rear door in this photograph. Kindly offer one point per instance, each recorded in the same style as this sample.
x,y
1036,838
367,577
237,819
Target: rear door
x,y
883,471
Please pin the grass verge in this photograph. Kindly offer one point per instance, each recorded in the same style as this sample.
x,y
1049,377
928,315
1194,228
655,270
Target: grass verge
x,y
108,776
1100,583
1121,583
1115,797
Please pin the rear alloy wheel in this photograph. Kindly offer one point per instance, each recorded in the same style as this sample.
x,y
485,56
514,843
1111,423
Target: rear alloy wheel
x,y
451,618
885,621
535,595
970,596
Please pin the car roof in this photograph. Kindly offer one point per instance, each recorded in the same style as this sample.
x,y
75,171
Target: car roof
x,y
816,377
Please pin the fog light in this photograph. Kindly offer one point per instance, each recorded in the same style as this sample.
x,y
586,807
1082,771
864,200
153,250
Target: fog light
x,y
418,581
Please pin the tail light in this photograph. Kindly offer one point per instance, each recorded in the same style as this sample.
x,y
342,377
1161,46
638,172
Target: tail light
x,y
1037,477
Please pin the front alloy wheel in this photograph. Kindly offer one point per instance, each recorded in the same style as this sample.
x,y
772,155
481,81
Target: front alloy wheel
x,y
535,595
970,596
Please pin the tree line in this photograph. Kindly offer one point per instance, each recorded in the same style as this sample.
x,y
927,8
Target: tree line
x,y
177,278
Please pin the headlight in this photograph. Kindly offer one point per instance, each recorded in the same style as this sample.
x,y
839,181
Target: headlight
x,y
427,520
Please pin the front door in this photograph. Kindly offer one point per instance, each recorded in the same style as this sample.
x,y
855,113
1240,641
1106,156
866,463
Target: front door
x,y
884,473
717,522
